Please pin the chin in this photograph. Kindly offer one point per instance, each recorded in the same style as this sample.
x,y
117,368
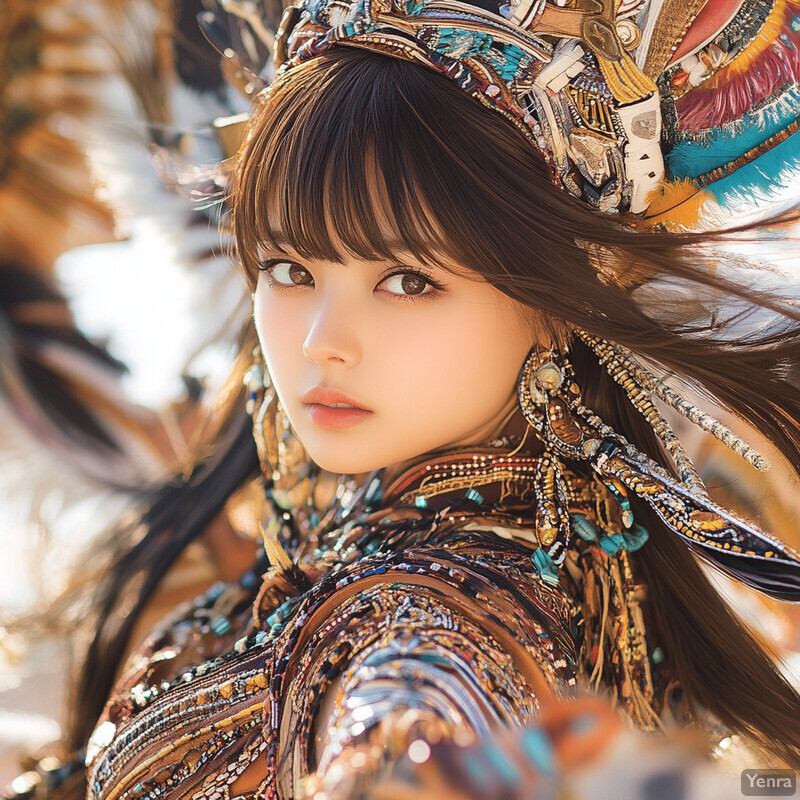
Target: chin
x,y
343,461
348,466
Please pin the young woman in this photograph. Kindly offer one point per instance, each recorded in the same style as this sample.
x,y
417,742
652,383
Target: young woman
x,y
476,507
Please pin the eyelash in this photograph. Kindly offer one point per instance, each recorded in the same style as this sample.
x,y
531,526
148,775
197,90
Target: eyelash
x,y
268,265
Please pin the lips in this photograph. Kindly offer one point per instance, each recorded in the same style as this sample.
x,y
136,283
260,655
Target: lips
x,y
329,408
330,397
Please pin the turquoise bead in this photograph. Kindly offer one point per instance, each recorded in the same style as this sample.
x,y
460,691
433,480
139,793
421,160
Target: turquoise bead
x,y
612,544
584,527
475,496
634,540
545,567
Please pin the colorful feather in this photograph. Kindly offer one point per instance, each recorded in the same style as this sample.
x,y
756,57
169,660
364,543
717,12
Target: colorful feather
x,y
699,155
762,178
769,65
678,206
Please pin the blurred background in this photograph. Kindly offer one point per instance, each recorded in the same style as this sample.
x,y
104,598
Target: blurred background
x,y
121,310
119,305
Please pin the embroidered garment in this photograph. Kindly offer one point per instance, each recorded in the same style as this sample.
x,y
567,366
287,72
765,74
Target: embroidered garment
x,y
419,612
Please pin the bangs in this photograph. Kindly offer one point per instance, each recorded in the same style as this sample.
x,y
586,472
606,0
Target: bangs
x,y
354,152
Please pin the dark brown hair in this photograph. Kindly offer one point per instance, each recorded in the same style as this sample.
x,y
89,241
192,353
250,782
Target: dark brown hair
x,y
457,180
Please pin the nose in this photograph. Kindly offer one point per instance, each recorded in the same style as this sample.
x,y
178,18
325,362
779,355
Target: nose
x,y
332,338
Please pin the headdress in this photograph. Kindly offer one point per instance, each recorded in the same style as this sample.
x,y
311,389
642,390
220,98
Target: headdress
x,y
673,109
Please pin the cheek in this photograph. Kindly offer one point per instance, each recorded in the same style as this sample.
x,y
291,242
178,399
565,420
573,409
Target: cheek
x,y
279,334
458,366
261,315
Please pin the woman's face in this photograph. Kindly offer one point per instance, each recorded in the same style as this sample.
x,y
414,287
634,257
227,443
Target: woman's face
x,y
379,362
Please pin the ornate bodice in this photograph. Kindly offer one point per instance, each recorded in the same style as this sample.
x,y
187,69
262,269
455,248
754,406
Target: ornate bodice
x,y
422,614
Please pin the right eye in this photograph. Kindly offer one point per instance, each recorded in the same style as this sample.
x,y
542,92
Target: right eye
x,y
287,273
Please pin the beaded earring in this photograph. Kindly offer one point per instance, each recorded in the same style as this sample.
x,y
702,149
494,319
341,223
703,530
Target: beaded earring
x,y
301,495
285,463
552,403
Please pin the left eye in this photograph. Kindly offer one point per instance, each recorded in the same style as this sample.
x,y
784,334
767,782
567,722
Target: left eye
x,y
407,283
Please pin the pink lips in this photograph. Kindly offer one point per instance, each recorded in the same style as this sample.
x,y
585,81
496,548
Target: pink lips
x,y
335,410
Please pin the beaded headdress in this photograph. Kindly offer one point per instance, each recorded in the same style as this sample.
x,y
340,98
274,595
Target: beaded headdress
x,y
671,109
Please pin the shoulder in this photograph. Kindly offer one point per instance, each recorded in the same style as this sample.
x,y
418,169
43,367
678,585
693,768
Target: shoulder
x,y
193,636
445,628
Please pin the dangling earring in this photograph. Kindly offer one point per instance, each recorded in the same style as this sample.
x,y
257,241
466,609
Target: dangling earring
x,y
285,463
552,403
562,509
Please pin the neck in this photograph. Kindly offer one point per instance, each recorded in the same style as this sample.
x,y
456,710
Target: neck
x,y
513,434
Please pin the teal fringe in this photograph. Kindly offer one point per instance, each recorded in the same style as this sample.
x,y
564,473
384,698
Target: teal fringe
x,y
763,178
